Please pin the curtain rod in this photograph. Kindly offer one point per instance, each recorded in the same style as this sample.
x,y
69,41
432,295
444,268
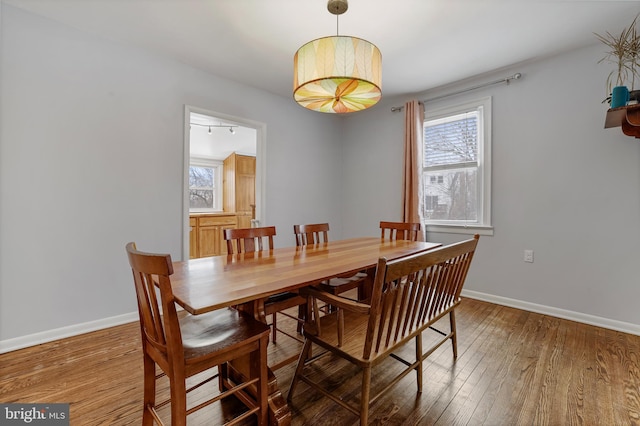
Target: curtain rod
x,y
515,76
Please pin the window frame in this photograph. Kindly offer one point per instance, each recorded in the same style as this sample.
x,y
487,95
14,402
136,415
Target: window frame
x,y
483,224
217,167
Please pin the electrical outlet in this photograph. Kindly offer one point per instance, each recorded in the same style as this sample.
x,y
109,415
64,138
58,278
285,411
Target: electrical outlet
x,y
528,256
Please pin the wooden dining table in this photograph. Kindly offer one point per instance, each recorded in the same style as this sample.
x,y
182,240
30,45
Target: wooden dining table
x,y
245,280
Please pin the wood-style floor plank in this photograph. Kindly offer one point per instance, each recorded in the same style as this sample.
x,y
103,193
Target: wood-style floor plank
x,y
514,367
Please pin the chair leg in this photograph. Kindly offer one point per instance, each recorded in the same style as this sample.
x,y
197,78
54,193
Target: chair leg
x,y
419,360
223,376
364,401
178,388
304,355
258,362
149,390
454,334
340,326
302,315
273,328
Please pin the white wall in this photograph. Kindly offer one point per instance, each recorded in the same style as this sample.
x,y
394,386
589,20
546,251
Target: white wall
x,y
562,186
91,157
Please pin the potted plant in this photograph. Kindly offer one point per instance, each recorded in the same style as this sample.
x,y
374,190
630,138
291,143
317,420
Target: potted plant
x,y
624,53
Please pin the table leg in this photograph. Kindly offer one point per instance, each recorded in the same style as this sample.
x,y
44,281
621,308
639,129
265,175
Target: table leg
x,y
364,291
279,412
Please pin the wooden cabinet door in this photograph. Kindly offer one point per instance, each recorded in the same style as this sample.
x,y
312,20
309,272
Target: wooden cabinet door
x,y
211,234
239,187
245,165
245,186
244,220
245,193
208,241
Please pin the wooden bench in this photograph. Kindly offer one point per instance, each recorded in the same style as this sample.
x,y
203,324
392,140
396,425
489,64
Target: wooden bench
x,y
409,295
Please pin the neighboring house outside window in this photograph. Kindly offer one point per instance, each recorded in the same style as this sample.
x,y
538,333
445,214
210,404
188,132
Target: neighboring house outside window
x,y
456,171
205,185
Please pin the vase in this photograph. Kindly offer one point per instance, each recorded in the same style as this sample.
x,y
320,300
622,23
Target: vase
x,y
619,96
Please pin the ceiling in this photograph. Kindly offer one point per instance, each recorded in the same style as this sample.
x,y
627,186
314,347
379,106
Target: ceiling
x,y
424,43
219,143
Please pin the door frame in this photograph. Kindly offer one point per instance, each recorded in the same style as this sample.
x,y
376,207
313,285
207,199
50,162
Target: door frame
x,y
261,166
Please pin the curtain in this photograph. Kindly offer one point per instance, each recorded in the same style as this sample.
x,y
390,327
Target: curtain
x,y
412,165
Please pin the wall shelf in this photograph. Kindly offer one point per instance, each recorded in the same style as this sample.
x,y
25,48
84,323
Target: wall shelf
x,y
628,117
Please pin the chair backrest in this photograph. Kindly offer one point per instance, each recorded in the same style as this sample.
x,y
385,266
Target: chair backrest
x,y
158,318
247,239
400,230
412,292
311,234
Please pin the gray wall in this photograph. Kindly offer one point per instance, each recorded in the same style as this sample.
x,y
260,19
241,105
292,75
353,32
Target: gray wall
x,y
91,157
562,185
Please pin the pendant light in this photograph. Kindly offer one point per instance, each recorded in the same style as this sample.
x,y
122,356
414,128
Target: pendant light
x,y
337,74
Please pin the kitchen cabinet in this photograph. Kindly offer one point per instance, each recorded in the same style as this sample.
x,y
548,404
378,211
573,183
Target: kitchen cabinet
x,y
206,237
239,187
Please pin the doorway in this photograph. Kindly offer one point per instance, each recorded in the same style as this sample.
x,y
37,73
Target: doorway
x,y
211,139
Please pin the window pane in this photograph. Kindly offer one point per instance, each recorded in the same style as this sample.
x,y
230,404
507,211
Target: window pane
x,y
430,202
456,170
454,197
451,142
201,198
201,177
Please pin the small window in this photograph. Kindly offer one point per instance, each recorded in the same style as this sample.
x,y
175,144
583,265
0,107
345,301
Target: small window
x,y
456,165
205,185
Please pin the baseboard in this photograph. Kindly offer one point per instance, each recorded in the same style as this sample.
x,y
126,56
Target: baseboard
x,y
63,332
74,330
555,312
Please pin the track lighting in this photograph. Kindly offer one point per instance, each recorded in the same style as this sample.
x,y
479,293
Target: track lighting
x,y
232,128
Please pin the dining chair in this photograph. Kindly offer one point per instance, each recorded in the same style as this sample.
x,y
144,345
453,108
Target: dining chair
x,y
247,240
318,233
186,345
410,294
399,230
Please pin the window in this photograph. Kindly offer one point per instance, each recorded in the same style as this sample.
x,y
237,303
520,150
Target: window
x,y
456,170
205,185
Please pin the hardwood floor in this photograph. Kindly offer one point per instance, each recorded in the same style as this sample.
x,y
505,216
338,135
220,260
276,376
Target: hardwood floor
x,y
514,367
